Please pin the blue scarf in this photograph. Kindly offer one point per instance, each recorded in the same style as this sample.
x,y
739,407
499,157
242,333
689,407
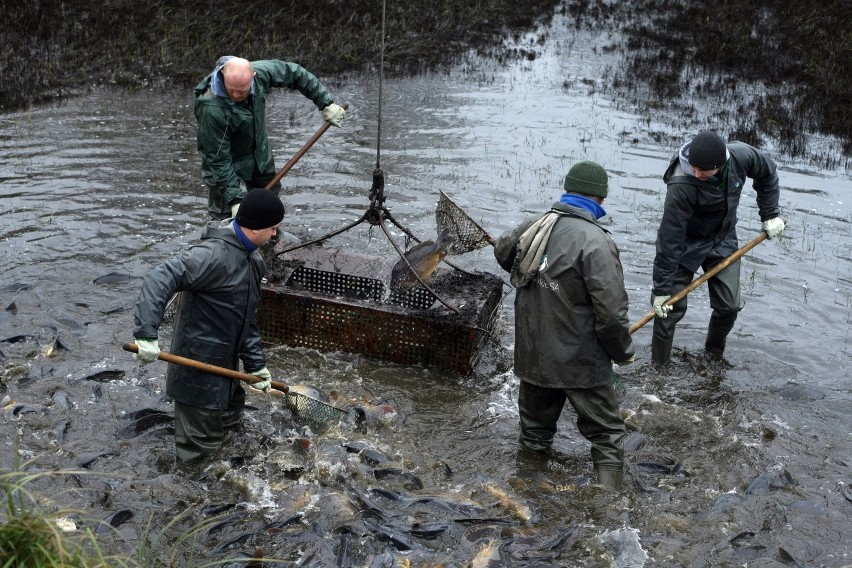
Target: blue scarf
x,y
250,246
589,205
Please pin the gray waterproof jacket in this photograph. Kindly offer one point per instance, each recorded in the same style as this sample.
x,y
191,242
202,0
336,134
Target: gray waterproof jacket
x,y
571,318
219,281
232,136
698,217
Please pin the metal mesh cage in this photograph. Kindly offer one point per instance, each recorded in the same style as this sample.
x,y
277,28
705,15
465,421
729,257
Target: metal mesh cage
x,y
309,303
417,297
337,284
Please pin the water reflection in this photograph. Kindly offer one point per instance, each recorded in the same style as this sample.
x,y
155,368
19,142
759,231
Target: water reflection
x,y
93,193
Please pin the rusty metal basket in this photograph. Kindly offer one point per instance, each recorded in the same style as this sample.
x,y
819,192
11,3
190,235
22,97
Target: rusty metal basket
x,y
336,300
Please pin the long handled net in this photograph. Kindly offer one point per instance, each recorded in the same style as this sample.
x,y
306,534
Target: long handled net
x,y
303,406
317,413
469,236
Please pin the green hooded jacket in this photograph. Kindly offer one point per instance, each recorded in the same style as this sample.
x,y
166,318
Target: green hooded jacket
x,y
232,136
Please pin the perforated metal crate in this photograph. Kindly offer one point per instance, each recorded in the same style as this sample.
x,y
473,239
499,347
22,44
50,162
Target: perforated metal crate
x,y
334,300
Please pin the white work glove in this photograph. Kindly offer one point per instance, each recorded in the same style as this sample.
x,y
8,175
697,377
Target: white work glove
x,y
148,350
626,361
266,384
659,309
334,114
234,208
773,227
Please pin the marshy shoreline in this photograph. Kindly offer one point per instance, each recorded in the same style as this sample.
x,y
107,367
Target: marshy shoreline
x,y
800,53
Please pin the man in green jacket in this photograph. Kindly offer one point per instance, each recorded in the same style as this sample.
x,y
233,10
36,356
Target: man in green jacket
x,y
230,109
570,321
704,183
219,280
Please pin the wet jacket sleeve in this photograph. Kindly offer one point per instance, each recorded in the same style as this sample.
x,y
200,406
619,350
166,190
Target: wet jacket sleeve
x,y
506,247
764,175
158,287
277,73
251,351
214,143
671,237
604,280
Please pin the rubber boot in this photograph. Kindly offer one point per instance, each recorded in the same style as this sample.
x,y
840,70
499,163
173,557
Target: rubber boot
x,y
661,350
717,333
610,479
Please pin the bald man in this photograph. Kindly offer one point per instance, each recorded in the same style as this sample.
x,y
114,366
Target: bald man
x,y
230,109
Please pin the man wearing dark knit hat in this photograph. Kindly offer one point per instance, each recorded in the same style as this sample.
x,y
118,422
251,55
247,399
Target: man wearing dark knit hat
x,y
570,321
704,183
219,281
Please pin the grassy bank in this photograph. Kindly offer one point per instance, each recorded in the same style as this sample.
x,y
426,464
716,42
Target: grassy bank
x,y
59,47
675,50
773,69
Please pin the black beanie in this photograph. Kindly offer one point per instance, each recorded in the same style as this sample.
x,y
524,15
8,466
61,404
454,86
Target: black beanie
x,y
260,209
707,151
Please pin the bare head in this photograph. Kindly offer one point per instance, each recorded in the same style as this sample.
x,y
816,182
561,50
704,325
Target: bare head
x,y
237,74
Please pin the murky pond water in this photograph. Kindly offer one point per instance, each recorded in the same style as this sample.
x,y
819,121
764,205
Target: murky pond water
x,y
741,464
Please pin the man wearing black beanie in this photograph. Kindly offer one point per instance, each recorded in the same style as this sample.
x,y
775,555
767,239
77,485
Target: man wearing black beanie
x,y
698,229
219,281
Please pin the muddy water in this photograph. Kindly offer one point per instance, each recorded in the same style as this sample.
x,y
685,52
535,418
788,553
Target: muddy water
x,y
746,463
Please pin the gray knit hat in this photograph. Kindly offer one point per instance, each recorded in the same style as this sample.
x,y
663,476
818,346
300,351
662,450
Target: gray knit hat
x,y
707,151
588,178
260,209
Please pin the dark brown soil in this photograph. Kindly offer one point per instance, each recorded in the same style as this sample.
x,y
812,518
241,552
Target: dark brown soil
x,y
676,51
57,47
773,70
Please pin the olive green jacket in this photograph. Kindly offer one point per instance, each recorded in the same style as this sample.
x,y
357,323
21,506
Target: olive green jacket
x,y
571,318
232,136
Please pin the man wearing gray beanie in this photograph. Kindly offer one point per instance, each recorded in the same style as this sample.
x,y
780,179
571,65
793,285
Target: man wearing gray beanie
x,y
570,321
698,229
219,281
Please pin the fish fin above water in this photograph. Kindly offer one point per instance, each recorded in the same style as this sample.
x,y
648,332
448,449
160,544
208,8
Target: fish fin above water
x,y
114,278
105,376
114,521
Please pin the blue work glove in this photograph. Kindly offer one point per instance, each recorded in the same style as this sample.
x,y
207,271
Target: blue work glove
x,y
659,309
773,227
266,384
334,114
148,350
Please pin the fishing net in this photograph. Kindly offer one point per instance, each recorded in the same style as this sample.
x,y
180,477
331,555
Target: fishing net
x,y
312,411
469,236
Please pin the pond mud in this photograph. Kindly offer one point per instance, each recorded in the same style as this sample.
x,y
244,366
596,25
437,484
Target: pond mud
x,y
745,461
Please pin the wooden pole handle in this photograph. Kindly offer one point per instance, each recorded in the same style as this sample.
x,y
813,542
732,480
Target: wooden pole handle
x,y
208,368
703,278
283,171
